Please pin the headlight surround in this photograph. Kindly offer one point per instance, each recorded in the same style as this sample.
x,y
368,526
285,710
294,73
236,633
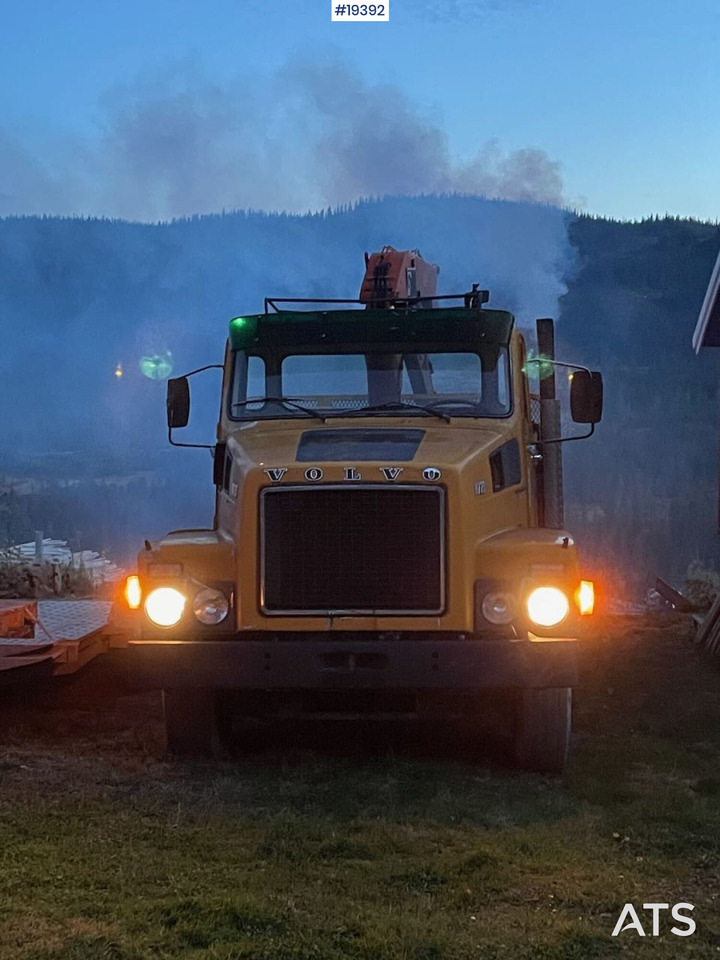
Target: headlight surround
x,y
547,606
210,606
165,606
499,607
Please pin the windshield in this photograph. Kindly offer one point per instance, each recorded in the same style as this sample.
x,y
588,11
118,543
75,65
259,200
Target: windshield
x,y
462,383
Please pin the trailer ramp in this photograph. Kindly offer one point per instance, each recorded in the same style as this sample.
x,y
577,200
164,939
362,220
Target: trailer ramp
x,y
50,638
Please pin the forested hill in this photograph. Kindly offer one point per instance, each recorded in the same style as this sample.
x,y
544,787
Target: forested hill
x,y
82,301
644,490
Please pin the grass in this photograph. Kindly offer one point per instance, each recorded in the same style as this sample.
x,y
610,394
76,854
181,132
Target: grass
x,y
111,852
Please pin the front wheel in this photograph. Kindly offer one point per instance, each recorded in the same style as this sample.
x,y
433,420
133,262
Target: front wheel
x,y
542,732
193,725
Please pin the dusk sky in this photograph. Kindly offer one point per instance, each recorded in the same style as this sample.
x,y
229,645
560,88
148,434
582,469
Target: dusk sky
x,y
158,108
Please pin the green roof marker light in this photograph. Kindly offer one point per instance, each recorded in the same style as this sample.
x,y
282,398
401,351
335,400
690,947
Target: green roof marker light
x,y
242,331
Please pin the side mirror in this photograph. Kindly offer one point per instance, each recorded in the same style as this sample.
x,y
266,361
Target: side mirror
x,y
586,396
178,402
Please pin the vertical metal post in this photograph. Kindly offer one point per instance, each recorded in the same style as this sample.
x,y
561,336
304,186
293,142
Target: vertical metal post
x,y
550,428
38,546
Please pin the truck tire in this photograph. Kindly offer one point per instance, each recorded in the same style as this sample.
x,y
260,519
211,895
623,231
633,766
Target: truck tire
x,y
192,727
542,732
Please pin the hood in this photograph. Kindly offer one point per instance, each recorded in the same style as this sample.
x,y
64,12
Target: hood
x,y
275,444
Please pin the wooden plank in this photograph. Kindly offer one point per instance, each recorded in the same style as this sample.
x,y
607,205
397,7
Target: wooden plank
x,y
711,638
19,663
22,649
681,604
711,617
79,653
713,642
25,669
17,617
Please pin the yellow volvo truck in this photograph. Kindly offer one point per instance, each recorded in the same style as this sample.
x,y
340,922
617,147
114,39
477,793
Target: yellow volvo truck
x,y
388,522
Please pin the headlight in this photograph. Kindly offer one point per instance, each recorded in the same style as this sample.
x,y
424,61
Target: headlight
x,y
165,606
210,606
547,606
499,607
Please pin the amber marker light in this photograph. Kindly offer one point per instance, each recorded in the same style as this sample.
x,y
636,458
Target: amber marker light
x,y
133,592
585,597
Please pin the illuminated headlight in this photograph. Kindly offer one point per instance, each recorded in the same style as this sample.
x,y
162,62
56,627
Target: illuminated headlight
x,y
165,606
499,608
210,606
547,606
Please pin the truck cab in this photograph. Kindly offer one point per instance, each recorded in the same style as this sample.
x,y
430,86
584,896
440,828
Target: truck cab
x,y
386,524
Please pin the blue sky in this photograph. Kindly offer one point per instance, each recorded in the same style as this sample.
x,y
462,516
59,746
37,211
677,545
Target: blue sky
x,y
619,92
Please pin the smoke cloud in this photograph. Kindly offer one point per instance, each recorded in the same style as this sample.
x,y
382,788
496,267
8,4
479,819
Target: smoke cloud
x,y
466,11
308,137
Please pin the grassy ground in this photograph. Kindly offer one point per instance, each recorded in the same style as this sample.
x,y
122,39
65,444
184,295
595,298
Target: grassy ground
x,y
109,852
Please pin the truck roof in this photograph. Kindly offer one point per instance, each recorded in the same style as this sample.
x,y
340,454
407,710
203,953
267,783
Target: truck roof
x,y
448,325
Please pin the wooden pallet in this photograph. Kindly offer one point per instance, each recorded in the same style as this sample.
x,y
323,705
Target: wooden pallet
x,y
64,636
708,633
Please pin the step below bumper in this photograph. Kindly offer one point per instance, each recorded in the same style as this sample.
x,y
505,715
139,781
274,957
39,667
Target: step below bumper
x,y
360,665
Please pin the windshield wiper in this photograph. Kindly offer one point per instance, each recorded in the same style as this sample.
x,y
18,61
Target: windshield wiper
x,y
394,405
288,401
482,410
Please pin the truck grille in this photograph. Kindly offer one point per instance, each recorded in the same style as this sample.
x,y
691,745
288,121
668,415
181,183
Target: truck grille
x,y
367,549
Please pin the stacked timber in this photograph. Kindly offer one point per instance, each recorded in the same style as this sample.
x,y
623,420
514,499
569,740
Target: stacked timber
x,y
57,553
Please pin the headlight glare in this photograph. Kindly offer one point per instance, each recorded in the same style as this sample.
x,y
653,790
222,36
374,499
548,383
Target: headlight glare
x,y
165,606
499,608
547,606
210,606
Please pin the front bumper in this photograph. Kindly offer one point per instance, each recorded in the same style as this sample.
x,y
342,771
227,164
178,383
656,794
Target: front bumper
x,y
351,665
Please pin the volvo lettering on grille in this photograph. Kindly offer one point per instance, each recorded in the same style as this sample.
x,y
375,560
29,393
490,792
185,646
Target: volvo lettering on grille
x,y
352,474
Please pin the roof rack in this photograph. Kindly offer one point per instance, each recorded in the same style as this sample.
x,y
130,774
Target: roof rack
x,y
473,299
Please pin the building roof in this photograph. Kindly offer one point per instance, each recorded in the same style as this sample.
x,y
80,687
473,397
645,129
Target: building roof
x,y
707,331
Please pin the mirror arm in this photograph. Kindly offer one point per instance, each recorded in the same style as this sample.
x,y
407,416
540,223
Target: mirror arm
x,y
583,436
210,366
558,363
197,446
